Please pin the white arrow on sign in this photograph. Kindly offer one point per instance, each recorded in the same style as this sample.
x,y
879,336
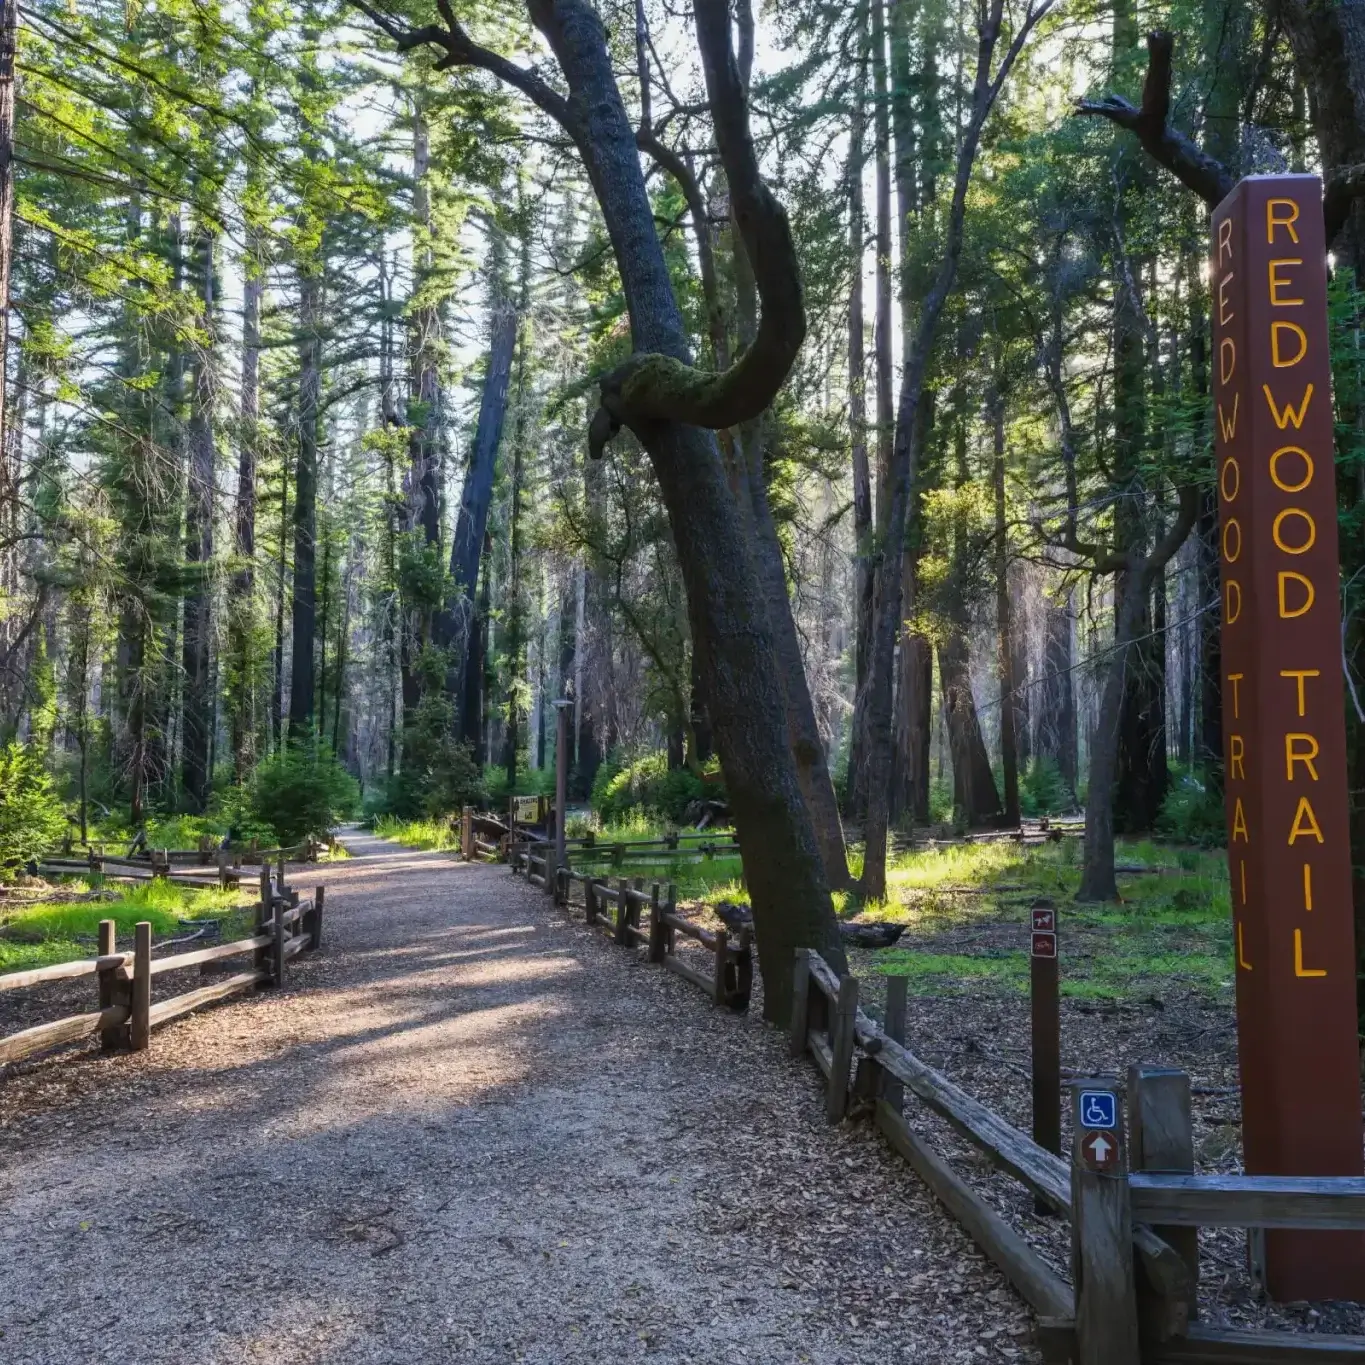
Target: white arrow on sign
x,y
1099,1147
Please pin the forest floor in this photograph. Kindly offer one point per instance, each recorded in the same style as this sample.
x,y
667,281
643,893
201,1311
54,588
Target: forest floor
x,y
468,1130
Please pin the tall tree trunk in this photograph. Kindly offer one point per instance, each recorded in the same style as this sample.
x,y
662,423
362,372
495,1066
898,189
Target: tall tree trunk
x,y
1056,737
857,394
241,587
731,631
389,627
304,606
976,801
874,708
424,342
281,573
9,22
199,705
1009,753
456,625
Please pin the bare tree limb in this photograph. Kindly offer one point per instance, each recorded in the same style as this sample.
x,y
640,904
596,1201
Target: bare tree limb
x,y
461,50
1167,146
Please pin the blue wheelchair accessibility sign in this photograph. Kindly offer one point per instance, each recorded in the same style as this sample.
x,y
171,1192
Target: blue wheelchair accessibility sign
x,y
1099,1109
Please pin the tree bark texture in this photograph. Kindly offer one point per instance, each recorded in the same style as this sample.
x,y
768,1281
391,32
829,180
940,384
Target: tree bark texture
x,y
304,603
198,708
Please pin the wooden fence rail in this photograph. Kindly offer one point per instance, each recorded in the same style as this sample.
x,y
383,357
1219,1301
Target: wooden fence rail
x,y
1132,1244
286,927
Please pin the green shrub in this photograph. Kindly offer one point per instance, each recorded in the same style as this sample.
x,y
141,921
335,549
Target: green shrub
x,y
1043,790
299,793
439,774
647,783
1192,812
31,817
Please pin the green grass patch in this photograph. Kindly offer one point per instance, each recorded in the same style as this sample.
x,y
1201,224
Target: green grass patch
x,y
41,934
437,835
1171,930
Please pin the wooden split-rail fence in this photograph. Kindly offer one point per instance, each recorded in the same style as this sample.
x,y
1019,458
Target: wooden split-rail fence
x,y
285,927
728,975
164,862
1135,1252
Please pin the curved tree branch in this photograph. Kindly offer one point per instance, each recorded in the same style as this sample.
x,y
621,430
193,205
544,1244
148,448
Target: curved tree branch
x,y
651,387
1166,145
461,50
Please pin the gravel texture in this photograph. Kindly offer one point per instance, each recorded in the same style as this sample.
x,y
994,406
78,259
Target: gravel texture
x,y
468,1131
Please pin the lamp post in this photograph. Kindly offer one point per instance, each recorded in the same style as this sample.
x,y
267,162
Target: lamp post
x,y
561,779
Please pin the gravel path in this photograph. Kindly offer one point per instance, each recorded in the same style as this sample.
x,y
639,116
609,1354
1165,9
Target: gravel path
x,y
468,1131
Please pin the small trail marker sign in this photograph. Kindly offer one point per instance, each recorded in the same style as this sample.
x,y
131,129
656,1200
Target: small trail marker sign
x,y
1044,920
1099,1109
1043,944
1100,1151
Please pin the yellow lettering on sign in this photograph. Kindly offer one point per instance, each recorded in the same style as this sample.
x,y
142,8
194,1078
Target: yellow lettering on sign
x,y
1225,315
1230,480
1232,541
1282,419
1227,359
1310,531
1229,424
1307,469
1236,754
1299,968
1274,220
1232,602
1276,355
1242,868
1239,823
1241,951
1287,613
1276,283
1307,887
1234,679
1299,674
1225,240
1305,822
1293,754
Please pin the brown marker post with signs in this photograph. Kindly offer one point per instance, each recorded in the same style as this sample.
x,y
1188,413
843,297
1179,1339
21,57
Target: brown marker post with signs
x,y
1283,717
1046,1019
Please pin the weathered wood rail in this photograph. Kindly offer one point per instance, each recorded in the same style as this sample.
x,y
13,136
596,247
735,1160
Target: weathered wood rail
x,y
285,926
163,862
1134,1250
619,911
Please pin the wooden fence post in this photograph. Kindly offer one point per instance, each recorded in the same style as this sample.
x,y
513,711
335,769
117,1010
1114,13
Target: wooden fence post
x,y
263,915
619,936
315,937
279,879
1161,1136
841,1040
112,991
657,941
892,1090
589,902
277,943
799,1037
1102,1228
467,834
139,1022
722,963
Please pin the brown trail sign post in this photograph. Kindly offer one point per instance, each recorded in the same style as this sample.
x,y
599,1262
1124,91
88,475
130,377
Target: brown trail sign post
x,y
1283,718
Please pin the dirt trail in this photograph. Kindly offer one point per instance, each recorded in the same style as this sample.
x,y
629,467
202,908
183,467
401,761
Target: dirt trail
x,y
467,1132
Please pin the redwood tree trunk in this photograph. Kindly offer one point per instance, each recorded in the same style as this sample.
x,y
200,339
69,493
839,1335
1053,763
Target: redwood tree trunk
x,y
198,710
304,607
